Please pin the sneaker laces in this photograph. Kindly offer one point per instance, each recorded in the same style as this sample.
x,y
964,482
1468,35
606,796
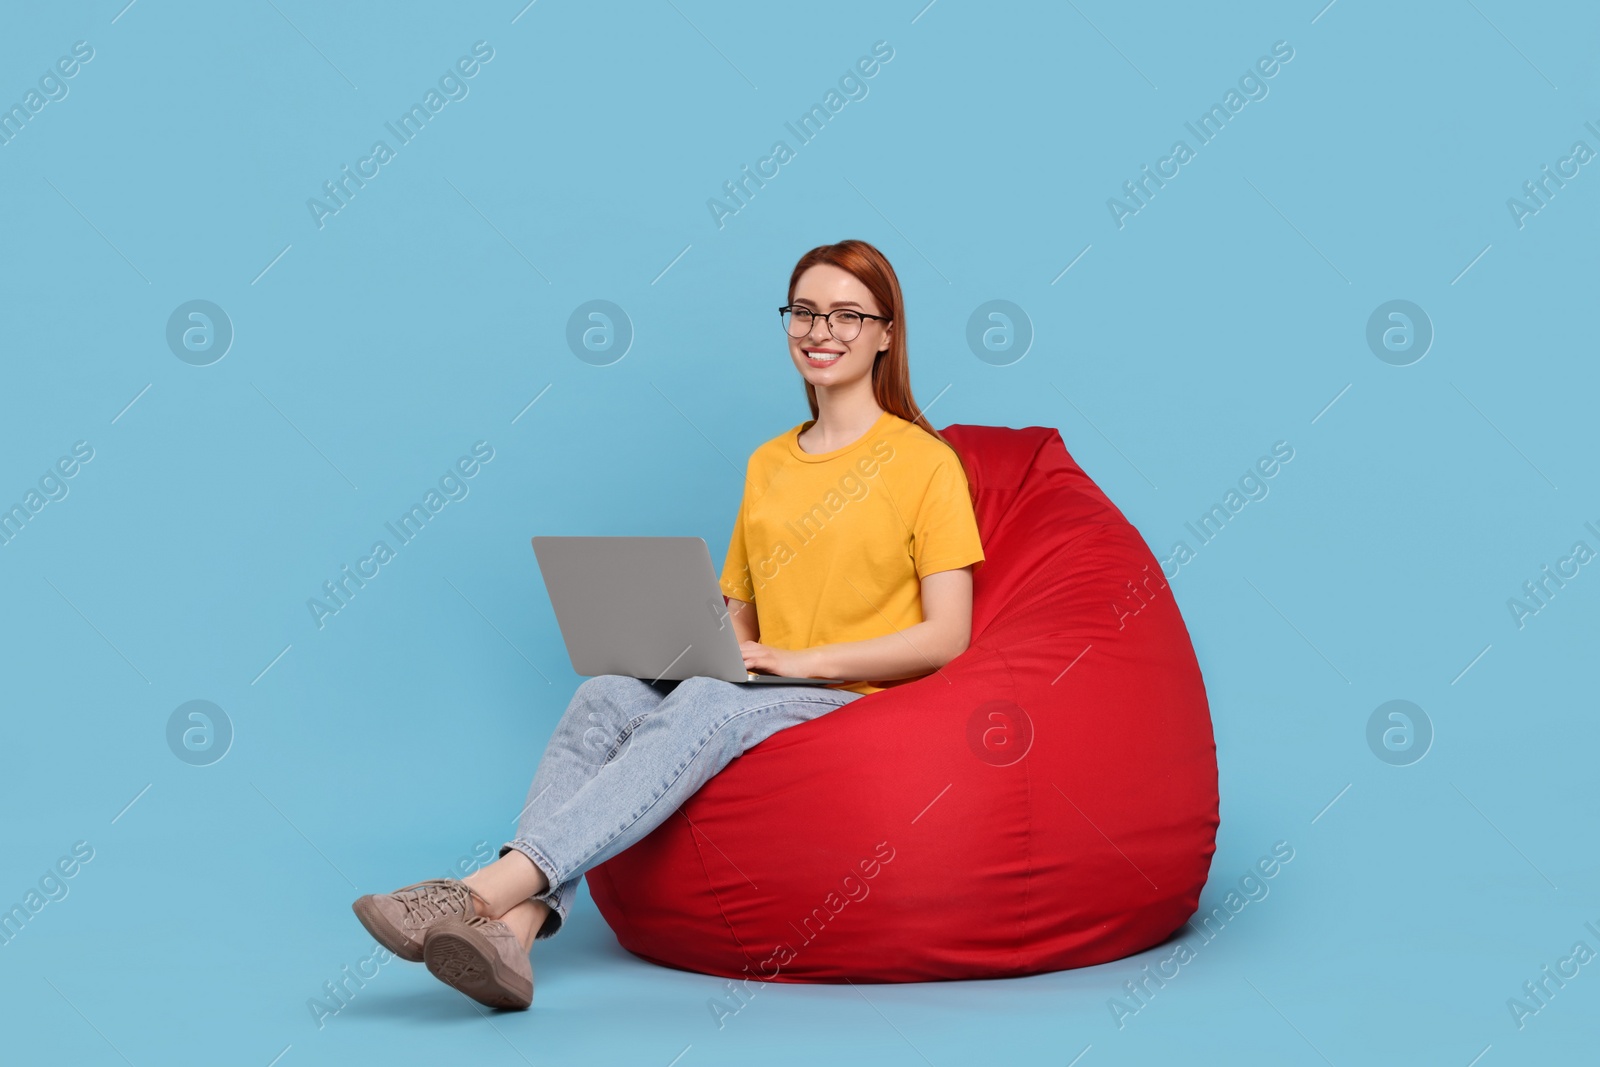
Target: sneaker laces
x,y
435,900
493,928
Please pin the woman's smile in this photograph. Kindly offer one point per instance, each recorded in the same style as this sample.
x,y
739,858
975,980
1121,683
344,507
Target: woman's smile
x,y
822,357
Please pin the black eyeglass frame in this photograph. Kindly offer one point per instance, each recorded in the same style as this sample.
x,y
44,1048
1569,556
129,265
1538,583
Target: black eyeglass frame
x,y
828,318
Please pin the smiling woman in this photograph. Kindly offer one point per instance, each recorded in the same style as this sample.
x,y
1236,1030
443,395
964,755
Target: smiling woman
x,y
875,590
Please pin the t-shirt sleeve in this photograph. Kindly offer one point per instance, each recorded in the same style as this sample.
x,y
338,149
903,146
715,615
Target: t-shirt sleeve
x,y
944,536
735,581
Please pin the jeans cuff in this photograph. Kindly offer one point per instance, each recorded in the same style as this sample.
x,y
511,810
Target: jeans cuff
x,y
557,896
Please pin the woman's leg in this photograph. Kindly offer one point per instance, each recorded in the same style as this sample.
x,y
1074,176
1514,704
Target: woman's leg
x,y
592,732
588,735
525,918
588,812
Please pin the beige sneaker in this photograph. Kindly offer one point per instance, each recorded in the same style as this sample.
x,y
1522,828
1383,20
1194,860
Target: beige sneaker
x,y
401,920
482,958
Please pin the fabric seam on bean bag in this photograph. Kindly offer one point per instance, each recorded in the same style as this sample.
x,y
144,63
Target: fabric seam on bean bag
x,y
722,911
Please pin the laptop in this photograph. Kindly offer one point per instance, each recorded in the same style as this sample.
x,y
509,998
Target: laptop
x,y
644,607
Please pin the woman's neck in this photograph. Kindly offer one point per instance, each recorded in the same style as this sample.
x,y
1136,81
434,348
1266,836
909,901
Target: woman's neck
x,y
841,419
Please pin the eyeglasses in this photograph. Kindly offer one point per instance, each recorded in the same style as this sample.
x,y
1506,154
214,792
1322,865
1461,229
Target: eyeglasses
x,y
844,324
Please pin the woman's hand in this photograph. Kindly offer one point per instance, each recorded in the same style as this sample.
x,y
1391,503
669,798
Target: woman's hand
x,y
769,660
943,634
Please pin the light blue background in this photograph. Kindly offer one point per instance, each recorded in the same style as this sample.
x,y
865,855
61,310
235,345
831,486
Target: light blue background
x,y
425,316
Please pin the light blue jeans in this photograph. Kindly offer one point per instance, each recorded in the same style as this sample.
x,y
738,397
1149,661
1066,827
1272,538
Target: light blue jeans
x,y
626,755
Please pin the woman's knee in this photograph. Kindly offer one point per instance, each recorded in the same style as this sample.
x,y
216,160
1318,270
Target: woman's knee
x,y
706,703
601,687
611,696
704,684
592,694
612,688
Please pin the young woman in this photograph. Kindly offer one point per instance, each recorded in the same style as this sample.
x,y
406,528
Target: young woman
x,y
851,559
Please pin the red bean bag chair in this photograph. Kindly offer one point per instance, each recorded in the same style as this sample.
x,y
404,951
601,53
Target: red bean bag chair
x,y
1047,800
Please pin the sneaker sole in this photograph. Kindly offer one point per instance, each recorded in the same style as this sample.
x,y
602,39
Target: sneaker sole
x,y
466,961
385,933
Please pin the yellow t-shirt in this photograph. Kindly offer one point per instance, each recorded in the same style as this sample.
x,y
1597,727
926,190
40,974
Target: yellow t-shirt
x,y
831,547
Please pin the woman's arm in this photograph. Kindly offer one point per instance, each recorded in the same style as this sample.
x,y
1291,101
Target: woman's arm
x,y
746,626
940,637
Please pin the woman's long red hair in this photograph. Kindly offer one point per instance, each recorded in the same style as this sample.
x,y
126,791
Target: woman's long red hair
x,y
891,372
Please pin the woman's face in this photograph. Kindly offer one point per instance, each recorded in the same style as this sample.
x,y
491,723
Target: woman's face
x,y
821,358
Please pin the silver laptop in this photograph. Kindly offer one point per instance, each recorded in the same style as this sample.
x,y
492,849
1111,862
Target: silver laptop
x,y
645,607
